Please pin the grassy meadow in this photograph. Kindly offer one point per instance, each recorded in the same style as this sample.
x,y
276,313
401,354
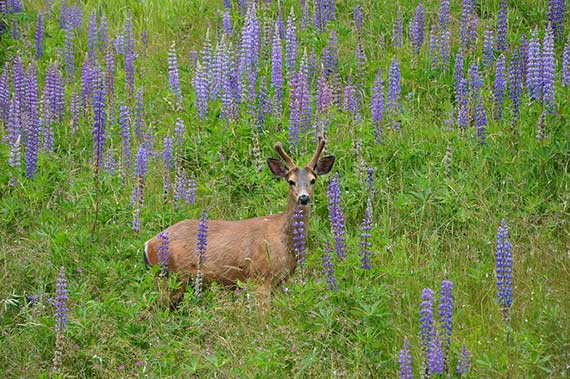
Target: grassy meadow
x,y
439,197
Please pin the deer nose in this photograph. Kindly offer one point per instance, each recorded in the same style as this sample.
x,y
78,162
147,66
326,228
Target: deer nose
x,y
304,199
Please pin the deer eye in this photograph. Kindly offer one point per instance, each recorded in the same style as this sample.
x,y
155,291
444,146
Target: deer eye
x,y
291,182
313,181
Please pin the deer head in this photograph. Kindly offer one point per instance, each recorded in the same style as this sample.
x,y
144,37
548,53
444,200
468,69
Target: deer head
x,y
301,180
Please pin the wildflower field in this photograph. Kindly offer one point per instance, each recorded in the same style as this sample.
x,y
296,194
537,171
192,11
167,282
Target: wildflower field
x,y
438,246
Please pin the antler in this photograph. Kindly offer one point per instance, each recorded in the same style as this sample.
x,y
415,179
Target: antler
x,y
288,161
320,146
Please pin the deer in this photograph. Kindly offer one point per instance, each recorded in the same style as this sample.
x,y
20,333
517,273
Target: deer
x,y
259,248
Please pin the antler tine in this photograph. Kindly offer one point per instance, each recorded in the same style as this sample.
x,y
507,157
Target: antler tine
x,y
320,146
288,161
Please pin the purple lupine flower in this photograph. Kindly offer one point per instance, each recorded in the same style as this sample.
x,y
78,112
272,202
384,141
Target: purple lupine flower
x,y
555,16
446,319
405,361
398,31
523,51
92,37
219,59
467,15
20,83
76,16
394,107
548,70
249,58
33,129
201,245
61,298
336,217
427,327
110,165
228,4
566,65
179,187
434,47
190,191
328,267
227,23
179,134
103,34
110,79
230,87
475,82
168,162
330,54
358,17
202,239
458,68
319,20
99,118
534,68
435,357
69,51
481,121
294,113
5,93
515,85
163,253
502,26
417,28
141,163
39,36
129,55
444,48
500,87
463,361
277,72
444,14
378,105
488,47
201,88
351,104
504,267
291,42
324,94
173,76
263,105
298,236
88,72
365,235
61,317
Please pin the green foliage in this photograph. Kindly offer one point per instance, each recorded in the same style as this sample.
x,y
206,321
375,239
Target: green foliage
x,y
427,227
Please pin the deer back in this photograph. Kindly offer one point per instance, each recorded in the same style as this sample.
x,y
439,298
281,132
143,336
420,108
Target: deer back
x,y
256,248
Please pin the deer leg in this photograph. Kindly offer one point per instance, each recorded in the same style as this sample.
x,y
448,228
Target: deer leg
x,y
176,295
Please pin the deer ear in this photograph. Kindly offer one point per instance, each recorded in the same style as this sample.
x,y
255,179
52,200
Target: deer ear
x,y
324,165
277,167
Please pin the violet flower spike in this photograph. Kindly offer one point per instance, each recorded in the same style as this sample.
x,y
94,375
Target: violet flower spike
x,y
405,361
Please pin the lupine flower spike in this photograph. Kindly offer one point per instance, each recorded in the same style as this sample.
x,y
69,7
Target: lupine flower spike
x,y
61,318
405,361
504,271
201,245
328,267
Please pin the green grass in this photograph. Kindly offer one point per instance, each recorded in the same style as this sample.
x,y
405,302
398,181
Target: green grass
x,y
427,227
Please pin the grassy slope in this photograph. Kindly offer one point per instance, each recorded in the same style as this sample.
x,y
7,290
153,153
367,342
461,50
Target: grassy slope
x,y
428,229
